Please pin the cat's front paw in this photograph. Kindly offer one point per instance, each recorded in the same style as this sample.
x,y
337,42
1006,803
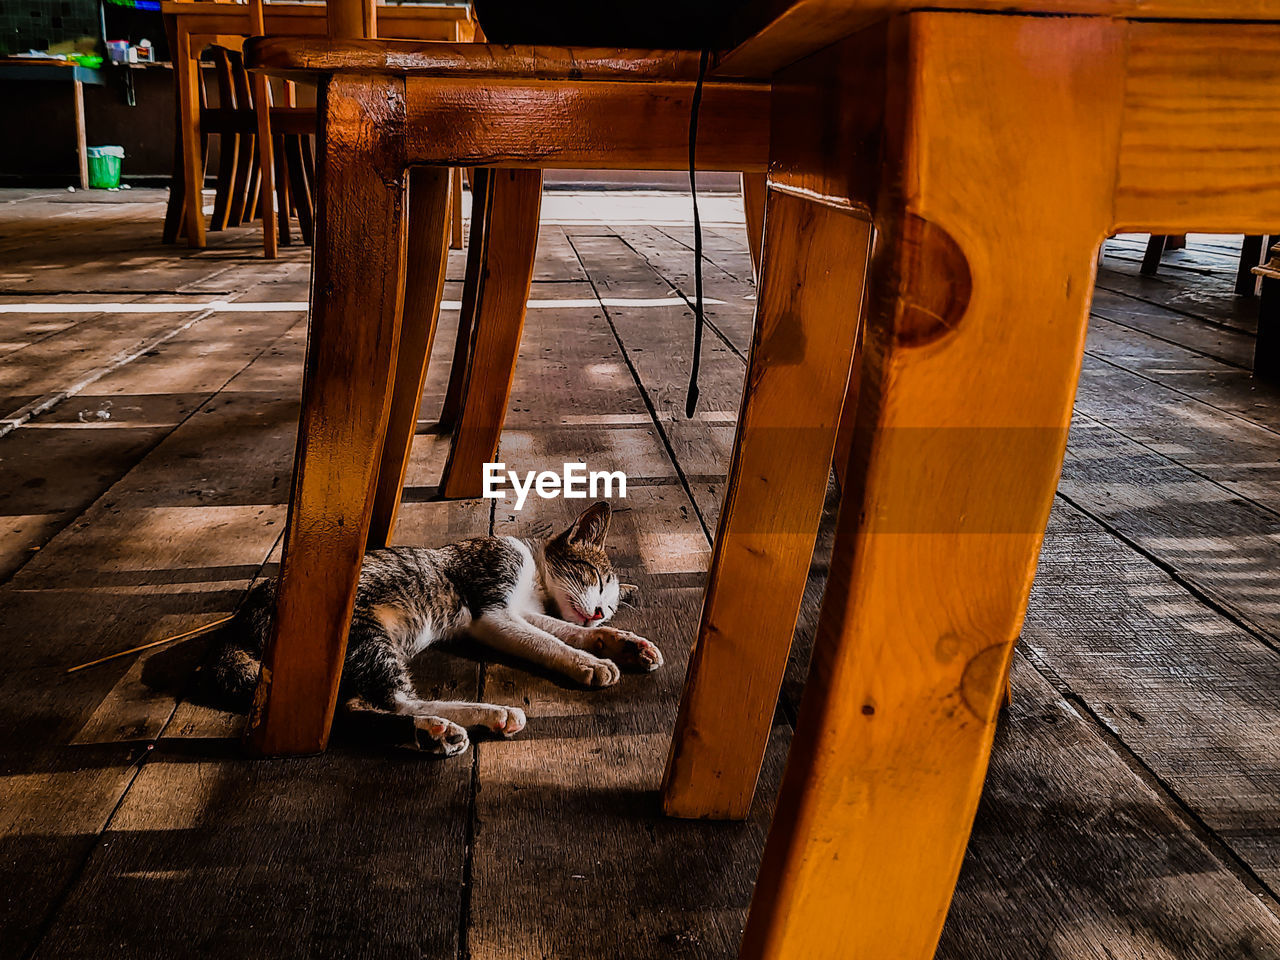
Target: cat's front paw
x,y
593,672
440,736
628,650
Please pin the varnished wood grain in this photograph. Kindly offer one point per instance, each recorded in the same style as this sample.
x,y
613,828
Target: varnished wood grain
x,y
291,52
355,326
509,238
768,35
481,104
1199,150
428,253
806,324
495,121
958,442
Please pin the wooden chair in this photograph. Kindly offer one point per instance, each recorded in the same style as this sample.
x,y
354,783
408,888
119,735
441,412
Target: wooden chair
x,y
237,197
194,25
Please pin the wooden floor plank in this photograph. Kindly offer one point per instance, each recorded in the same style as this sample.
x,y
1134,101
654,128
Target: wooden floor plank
x,y
1220,342
1075,856
171,544
1198,281
659,343
1193,696
1221,385
364,852
62,461
206,843
593,759
1222,544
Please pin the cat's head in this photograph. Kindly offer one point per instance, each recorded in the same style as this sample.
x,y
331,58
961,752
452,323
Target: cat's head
x,y
579,578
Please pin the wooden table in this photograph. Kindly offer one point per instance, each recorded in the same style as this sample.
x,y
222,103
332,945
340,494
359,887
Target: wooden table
x,y
34,68
990,150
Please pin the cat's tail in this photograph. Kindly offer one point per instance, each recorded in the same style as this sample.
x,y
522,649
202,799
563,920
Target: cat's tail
x,y
230,675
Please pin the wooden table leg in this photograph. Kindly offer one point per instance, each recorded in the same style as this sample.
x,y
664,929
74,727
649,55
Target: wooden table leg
x,y
509,244
481,192
429,194
801,351
993,128
753,194
82,150
357,292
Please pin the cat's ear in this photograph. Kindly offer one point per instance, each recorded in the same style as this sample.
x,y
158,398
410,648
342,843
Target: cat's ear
x,y
592,526
628,592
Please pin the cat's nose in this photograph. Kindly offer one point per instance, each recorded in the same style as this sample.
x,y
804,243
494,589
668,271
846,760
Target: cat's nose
x,y
598,615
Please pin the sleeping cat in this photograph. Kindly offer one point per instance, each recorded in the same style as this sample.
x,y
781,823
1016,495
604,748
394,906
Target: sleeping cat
x,y
497,590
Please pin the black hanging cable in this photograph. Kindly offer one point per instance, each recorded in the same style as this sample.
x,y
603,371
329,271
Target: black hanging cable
x,y
691,400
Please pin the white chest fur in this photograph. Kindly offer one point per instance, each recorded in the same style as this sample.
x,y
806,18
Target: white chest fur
x,y
525,596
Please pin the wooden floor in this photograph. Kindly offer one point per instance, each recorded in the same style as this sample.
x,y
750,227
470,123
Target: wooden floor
x,y
150,398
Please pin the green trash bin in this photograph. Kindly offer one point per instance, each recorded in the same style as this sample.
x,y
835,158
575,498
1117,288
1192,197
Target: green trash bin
x,y
104,167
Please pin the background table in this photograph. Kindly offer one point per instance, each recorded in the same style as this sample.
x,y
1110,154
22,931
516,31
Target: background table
x,y
37,68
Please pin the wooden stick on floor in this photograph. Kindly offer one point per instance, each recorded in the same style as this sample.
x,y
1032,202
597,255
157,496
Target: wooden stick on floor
x,y
198,631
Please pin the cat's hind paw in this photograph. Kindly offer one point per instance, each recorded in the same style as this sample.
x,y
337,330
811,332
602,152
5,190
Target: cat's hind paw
x,y
440,736
506,721
628,650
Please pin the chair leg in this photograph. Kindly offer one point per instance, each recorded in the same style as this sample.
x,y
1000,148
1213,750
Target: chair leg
x,y
254,186
266,166
1151,259
1266,350
509,243
187,78
175,208
973,338
801,352
429,194
308,163
299,187
481,193
284,202
1252,253
357,290
228,152
753,198
455,239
